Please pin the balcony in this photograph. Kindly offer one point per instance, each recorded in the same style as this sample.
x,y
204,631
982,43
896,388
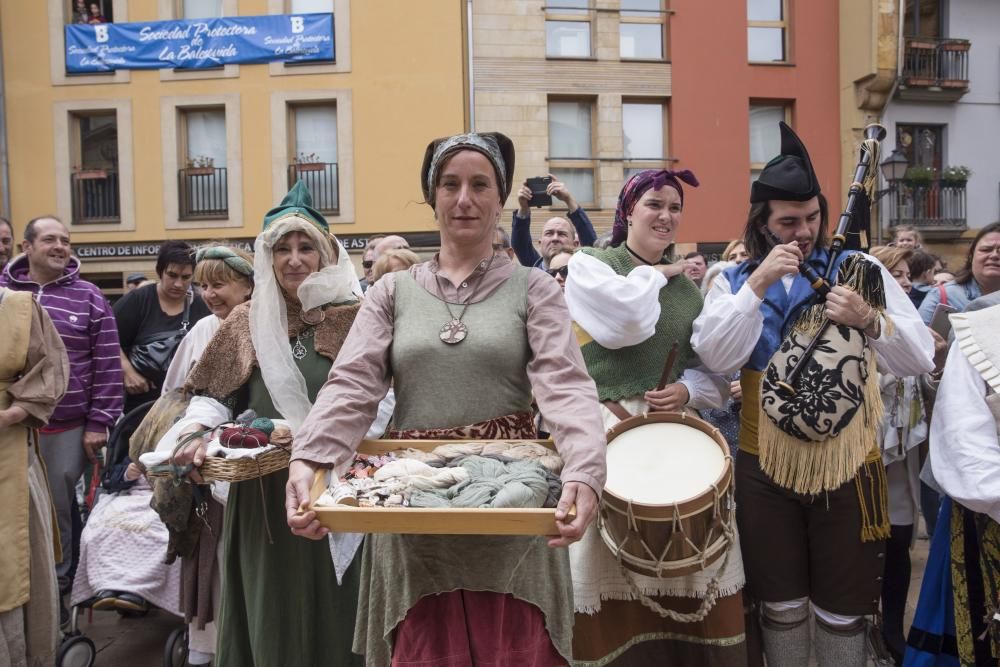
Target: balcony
x,y
203,193
934,70
95,197
323,182
937,208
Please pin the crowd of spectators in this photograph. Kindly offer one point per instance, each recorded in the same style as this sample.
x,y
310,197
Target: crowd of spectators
x,y
119,357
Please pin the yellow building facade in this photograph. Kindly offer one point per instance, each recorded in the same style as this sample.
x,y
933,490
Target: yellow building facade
x,y
131,158
869,53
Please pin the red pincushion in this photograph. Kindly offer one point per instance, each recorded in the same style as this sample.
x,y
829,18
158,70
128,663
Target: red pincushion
x,y
242,437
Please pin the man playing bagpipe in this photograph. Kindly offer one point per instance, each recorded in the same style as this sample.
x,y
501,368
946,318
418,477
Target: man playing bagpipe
x,y
810,485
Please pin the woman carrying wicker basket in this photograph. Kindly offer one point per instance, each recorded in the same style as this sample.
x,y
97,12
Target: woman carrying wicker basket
x,y
465,338
281,601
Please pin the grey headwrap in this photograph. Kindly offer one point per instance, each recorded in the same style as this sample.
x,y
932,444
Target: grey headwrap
x,y
497,148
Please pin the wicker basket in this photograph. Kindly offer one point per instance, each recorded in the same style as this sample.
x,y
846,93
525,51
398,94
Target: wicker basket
x,y
219,469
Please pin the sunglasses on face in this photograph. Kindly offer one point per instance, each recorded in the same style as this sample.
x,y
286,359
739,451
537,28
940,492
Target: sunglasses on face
x,y
367,263
561,271
497,247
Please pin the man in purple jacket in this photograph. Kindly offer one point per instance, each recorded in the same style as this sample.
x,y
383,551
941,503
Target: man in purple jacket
x,y
80,423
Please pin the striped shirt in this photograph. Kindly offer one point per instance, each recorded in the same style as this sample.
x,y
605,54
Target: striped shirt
x,y
86,324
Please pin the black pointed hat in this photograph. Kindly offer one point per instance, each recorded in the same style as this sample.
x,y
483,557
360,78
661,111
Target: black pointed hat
x,y
789,176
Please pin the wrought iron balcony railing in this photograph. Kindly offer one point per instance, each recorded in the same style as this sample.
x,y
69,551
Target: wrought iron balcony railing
x,y
95,196
939,63
937,205
203,193
323,181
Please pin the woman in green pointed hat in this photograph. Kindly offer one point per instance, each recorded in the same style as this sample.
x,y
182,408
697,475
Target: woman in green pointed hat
x,y
285,600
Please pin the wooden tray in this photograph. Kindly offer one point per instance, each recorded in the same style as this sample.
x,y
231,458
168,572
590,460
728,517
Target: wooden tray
x,y
432,520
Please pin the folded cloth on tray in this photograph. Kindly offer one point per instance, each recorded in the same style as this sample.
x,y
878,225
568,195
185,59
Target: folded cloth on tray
x,y
490,483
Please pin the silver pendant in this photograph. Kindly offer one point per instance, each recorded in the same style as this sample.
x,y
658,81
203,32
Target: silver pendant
x,y
298,350
453,332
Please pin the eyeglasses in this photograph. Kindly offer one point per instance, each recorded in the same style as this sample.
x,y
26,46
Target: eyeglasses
x,y
561,271
497,247
367,264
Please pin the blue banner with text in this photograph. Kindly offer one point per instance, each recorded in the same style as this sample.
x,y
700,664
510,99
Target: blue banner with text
x,y
199,43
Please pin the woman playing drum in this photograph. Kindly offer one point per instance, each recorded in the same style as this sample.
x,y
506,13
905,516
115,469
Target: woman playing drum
x,y
631,305
458,600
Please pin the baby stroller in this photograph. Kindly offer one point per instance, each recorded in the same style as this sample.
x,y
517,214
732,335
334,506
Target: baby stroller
x,y
132,498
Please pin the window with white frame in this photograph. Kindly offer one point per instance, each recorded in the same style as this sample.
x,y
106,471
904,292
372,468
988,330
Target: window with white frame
x,y
567,28
641,30
94,173
767,28
203,188
313,128
571,152
765,136
200,9
644,135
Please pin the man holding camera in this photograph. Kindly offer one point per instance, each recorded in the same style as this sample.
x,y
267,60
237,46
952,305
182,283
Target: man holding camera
x,y
558,234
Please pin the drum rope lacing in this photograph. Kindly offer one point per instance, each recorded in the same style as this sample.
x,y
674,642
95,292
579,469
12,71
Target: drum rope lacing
x,y
712,591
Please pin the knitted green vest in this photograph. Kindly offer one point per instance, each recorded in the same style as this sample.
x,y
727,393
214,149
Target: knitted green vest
x,y
631,371
483,377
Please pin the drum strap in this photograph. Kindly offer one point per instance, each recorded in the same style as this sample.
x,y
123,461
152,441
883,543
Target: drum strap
x,y
615,408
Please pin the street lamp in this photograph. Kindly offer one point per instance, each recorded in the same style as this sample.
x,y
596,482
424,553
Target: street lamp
x,y
893,170
894,167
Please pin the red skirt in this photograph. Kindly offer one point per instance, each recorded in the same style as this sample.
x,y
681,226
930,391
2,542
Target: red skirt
x,y
464,628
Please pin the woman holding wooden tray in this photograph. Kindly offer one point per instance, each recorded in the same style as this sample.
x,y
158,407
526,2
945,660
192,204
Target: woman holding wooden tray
x,y
281,600
466,338
632,304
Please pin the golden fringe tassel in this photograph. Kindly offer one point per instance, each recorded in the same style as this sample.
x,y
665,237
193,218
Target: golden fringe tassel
x,y
810,468
875,505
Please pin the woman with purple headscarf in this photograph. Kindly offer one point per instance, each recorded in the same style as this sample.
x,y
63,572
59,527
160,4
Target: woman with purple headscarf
x,y
630,304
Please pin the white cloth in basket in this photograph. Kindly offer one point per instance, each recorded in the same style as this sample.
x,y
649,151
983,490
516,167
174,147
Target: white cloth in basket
x,y
161,456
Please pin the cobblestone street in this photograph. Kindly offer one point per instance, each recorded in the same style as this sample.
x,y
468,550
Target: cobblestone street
x,y
135,642
141,642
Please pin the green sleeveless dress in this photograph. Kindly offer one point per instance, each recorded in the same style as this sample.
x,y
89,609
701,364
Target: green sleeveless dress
x,y
281,604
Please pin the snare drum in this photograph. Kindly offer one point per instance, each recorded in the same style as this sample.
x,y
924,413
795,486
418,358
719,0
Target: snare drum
x,y
667,507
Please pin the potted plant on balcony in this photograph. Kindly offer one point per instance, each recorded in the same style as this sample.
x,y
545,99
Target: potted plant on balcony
x,y
89,173
955,176
920,42
918,176
309,162
955,44
200,165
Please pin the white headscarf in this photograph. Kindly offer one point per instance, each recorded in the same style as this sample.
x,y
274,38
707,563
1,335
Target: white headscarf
x,y
335,282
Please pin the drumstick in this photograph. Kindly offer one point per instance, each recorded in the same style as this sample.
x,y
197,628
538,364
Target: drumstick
x,y
671,358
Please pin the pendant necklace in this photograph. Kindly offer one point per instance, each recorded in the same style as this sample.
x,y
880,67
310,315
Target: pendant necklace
x,y
307,332
455,330
299,350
